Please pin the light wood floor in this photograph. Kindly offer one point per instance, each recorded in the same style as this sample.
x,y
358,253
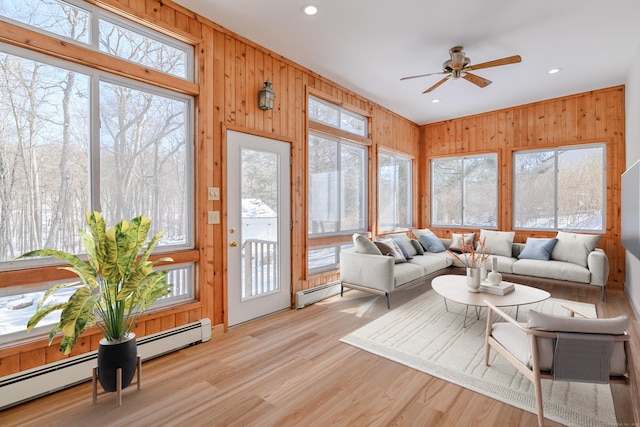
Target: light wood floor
x,y
290,369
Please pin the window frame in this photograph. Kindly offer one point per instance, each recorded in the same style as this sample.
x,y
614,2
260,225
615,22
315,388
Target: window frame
x,y
395,155
556,171
463,225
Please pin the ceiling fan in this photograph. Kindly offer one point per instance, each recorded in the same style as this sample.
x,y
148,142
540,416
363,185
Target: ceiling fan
x,y
459,66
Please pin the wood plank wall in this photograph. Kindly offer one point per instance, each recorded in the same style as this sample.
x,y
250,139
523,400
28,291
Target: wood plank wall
x,y
231,71
592,117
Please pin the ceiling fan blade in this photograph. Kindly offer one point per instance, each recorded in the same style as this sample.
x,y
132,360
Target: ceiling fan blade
x,y
477,80
496,62
421,75
437,84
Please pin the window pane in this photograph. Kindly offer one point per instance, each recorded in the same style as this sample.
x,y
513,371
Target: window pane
x,y
337,117
54,16
394,191
560,189
353,123
144,160
481,192
141,49
352,187
44,156
323,185
446,192
580,188
322,259
534,187
323,113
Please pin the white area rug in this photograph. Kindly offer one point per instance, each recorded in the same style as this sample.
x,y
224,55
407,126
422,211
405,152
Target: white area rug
x,y
421,334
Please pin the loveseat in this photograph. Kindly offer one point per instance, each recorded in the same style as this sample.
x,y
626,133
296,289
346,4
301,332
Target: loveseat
x,y
569,258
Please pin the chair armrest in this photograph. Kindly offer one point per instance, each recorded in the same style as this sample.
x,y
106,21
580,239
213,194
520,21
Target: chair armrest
x,y
573,312
598,265
493,309
369,271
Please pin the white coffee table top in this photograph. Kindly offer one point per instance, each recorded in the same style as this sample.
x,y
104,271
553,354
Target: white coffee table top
x,y
454,287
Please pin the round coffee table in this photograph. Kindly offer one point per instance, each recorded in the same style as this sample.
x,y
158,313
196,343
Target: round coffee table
x,y
454,287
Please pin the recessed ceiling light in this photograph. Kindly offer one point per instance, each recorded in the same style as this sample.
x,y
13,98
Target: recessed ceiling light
x,y
435,101
554,70
310,9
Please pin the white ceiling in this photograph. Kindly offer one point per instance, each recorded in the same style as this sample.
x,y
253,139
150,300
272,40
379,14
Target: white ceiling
x,y
368,45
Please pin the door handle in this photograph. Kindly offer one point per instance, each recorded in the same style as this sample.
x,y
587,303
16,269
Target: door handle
x,y
233,243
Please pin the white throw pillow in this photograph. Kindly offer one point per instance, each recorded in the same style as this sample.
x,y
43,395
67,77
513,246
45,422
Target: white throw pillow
x,y
497,242
574,248
364,245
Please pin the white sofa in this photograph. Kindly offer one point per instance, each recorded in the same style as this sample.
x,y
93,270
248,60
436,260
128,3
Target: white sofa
x,y
577,261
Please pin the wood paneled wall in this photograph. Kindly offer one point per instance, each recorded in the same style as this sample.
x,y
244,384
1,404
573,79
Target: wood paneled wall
x,y
592,117
231,71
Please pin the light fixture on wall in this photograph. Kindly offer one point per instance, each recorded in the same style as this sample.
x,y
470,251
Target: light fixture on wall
x,y
266,96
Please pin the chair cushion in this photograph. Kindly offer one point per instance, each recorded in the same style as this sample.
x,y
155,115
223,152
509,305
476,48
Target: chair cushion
x,y
497,242
550,322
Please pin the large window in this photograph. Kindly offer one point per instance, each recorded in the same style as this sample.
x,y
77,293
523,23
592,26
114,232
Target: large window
x,y
337,186
332,115
75,138
560,189
464,191
394,191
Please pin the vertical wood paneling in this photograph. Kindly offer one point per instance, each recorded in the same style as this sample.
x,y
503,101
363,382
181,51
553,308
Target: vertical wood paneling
x,y
593,117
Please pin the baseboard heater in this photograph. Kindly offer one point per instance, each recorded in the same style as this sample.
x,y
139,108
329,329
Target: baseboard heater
x,y
318,293
36,382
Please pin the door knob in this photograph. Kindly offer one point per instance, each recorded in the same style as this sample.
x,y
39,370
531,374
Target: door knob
x,y
233,243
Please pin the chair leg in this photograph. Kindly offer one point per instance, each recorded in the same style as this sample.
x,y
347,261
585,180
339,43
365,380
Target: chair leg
x,y
537,387
603,294
388,301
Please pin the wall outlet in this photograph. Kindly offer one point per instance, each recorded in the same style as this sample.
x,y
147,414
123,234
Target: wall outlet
x,y
214,217
213,193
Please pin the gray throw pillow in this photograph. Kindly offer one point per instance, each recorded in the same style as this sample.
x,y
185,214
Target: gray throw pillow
x,y
390,248
537,248
418,247
429,241
364,245
574,248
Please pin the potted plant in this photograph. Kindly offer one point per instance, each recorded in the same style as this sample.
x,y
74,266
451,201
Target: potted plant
x,y
116,286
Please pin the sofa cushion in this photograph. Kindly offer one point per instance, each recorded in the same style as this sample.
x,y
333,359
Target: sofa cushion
x,y
497,242
429,241
431,262
536,248
574,248
505,263
418,247
364,245
404,242
551,269
390,248
406,272
462,242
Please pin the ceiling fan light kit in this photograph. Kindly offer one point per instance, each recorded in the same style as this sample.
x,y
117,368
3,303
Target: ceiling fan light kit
x,y
459,66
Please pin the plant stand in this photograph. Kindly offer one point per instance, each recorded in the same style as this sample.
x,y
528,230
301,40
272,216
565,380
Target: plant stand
x,y
94,382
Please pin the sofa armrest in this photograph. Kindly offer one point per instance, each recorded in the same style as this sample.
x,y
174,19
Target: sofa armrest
x,y
369,271
598,265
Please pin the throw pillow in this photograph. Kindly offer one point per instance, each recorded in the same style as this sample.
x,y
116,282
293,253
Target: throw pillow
x,y
497,242
364,245
390,248
574,248
429,241
462,243
537,248
405,244
418,247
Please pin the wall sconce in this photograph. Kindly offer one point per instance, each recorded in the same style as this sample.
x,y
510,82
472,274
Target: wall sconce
x,y
266,96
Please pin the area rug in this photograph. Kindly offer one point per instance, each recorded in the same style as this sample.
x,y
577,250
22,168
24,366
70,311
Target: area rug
x,y
423,335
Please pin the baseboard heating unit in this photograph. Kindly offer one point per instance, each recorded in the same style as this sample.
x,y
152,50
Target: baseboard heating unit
x,y
318,293
36,382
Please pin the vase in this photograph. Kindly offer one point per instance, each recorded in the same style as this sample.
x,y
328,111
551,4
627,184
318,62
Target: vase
x,y
117,354
494,278
473,279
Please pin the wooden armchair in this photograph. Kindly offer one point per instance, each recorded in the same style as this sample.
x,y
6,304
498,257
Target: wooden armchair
x,y
548,347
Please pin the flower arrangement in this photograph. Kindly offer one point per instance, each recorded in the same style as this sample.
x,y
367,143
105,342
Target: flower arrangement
x,y
473,258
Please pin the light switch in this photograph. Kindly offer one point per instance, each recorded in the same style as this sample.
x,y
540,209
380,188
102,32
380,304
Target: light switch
x,y
214,217
213,193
